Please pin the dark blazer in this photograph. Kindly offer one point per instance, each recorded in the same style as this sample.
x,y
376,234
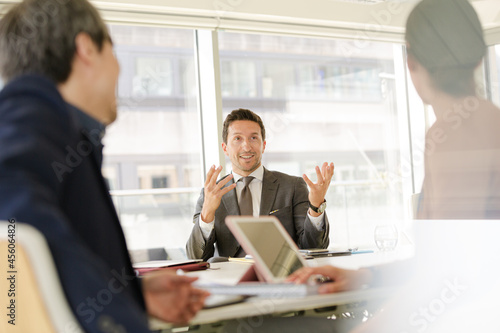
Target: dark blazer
x,y
50,178
284,195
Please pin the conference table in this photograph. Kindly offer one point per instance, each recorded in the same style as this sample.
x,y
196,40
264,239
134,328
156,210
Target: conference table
x,y
348,305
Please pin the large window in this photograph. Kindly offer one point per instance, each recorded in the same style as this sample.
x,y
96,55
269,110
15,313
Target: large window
x,y
153,151
319,105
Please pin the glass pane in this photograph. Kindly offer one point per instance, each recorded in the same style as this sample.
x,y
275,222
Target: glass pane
x,y
153,77
494,68
325,100
153,151
238,79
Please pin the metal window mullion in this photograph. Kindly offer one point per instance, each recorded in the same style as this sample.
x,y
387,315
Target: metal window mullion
x,y
210,99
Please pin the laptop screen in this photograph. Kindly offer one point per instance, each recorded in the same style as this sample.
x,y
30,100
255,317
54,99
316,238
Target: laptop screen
x,y
270,243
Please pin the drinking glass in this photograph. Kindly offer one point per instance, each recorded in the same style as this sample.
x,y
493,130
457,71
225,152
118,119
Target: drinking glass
x,y
386,237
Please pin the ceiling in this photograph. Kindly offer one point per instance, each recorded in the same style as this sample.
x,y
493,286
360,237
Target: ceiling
x,y
381,20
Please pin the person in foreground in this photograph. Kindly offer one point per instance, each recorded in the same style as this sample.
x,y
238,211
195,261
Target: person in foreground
x,y
445,45
56,58
300,211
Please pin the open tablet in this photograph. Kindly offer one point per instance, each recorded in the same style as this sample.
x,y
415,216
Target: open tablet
x,y
275,253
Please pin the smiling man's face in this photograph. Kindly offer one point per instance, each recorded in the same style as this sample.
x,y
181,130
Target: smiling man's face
x,y
244,146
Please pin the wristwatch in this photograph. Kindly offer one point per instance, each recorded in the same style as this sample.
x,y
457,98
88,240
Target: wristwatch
x,y
319,209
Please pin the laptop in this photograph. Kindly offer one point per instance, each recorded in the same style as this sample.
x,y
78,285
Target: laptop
x,y
275,253
275,257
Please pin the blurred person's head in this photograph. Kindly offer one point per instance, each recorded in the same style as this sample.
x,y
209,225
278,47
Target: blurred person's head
x,y
445,37
38,37
244,140
67,42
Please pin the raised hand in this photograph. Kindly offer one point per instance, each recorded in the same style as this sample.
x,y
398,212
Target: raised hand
x,y
317,192
214,192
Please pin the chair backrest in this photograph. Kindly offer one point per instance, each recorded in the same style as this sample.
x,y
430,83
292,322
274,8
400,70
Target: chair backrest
x,y
30,281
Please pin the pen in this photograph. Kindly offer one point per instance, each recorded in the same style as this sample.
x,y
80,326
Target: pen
x,y
240,259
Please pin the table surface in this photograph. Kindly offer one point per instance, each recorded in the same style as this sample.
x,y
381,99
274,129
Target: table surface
x,y
230,273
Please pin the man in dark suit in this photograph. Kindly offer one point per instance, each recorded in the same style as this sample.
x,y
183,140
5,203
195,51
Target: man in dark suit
x,y
272,193
57,61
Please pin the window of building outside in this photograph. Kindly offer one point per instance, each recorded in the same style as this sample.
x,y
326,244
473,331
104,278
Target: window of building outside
x,y
153,151
320,103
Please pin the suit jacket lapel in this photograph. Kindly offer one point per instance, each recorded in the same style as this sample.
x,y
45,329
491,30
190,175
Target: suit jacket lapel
x,y
269,190
230,201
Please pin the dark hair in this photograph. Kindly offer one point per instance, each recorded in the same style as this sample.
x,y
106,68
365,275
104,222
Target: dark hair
x,y
446,37
242,114
38,37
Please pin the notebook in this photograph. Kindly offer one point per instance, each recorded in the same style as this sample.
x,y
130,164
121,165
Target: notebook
x,y
154,265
